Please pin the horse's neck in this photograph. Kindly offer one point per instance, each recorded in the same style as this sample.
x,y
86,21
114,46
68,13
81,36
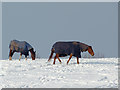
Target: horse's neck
x,y
84,47
31,51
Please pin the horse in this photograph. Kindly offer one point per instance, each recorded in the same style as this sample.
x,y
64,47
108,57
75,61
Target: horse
x,y
21,47
73,48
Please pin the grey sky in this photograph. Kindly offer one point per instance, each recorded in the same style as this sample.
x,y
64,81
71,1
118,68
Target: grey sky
x,y
42,24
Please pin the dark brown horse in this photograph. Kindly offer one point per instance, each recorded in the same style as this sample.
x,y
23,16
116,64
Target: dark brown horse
x,y
21,46
63,49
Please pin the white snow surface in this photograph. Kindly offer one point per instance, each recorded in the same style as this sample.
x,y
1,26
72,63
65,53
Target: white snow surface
x,y
90,73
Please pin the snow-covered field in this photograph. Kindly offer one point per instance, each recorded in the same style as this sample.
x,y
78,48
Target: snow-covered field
x,y
90,73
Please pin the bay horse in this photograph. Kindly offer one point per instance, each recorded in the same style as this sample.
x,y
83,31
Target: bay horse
x,y
23,47
62,49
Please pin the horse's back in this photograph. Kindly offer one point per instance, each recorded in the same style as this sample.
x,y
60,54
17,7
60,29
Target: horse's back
x,y
66,48
14,45
19,46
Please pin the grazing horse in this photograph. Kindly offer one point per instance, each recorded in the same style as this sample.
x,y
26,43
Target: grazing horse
x,y
23,47
62,49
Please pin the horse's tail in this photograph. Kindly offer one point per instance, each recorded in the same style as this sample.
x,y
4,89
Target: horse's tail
x,y
52,51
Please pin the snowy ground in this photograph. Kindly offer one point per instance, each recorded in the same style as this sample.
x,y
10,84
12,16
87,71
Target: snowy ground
x,y
90,73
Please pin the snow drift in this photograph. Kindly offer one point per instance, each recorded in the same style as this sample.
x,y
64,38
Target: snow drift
x,y
90,73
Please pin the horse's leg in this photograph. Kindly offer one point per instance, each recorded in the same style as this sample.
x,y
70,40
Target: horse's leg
x,y
51,55
69,58
10,55
77,60
57,55
25,57
20,56
55,59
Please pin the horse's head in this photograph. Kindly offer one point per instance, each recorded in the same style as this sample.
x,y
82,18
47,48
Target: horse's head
x,y
90,50
33,54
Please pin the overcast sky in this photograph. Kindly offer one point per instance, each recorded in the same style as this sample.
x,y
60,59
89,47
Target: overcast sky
x,y
42,24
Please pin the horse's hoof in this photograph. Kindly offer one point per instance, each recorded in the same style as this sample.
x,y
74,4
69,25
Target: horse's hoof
x,y
10,58
60,62
26,59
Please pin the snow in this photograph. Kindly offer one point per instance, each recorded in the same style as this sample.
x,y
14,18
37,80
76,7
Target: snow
x,y
90,73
